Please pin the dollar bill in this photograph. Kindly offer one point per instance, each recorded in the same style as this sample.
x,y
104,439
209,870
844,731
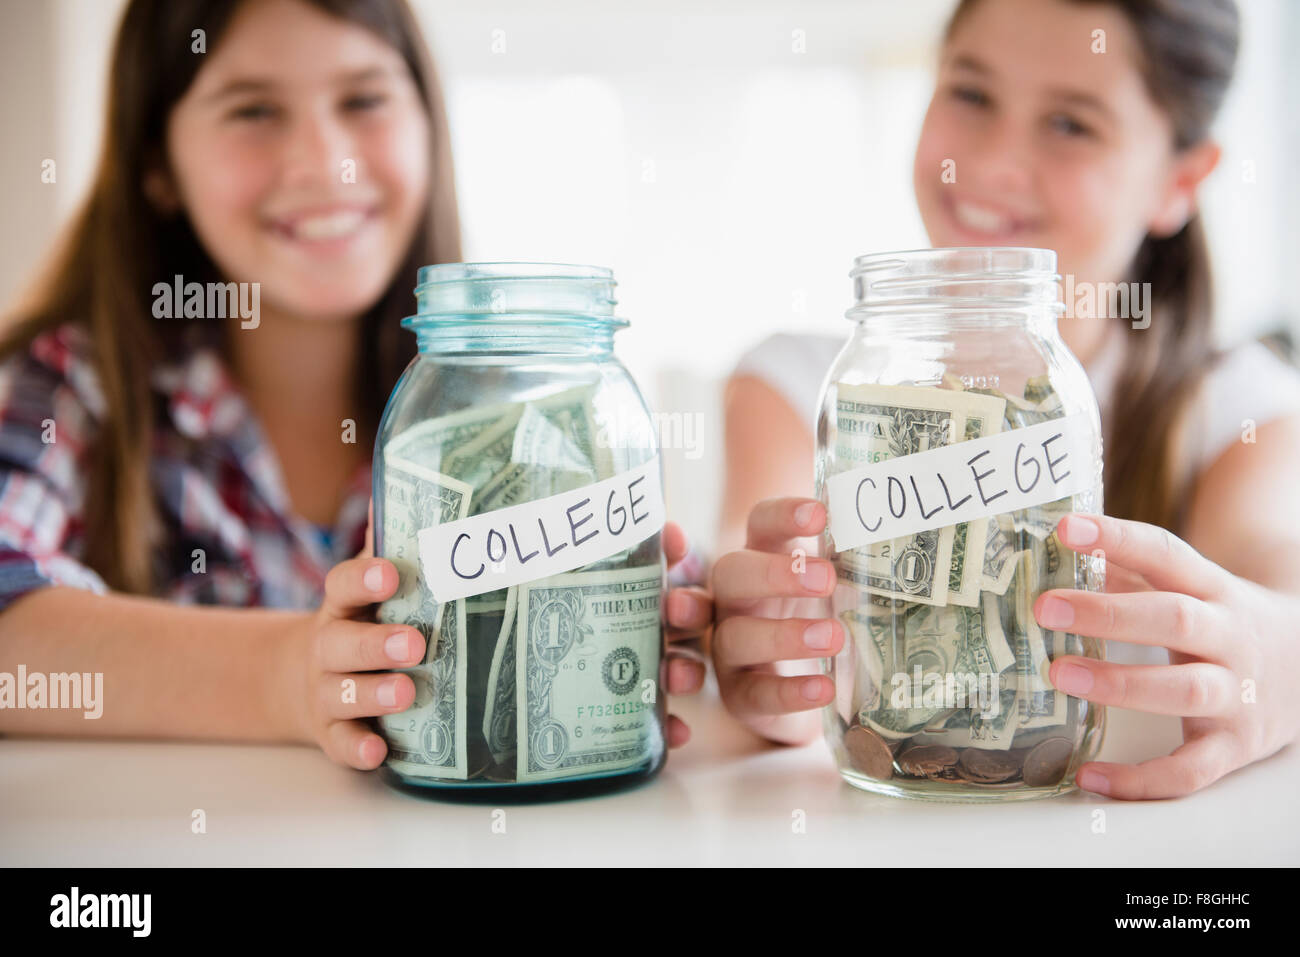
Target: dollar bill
x,y
415,498
499,715
587,648
875,423
428,740
427,442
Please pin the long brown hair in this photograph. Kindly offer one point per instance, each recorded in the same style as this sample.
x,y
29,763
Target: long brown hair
x,y
1189,50
118,245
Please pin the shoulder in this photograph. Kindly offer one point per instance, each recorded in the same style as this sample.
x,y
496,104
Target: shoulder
x,y
1249,387
49,389
59,357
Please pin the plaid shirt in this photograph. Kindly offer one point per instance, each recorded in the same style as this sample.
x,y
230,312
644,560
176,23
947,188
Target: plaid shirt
x,y
215,478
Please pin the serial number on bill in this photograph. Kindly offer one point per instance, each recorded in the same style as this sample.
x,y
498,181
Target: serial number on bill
x,y
607,710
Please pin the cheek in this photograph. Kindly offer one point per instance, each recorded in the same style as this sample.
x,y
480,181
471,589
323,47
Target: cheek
x,y
398,157
1095,214
223,196
937,144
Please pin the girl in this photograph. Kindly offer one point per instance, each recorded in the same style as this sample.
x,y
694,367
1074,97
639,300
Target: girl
x,y
1098,155
152,460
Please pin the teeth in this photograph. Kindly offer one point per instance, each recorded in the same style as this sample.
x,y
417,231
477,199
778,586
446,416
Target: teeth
x,y
331,226
980,218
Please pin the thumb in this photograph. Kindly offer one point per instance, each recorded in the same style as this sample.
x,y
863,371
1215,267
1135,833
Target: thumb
x,y
368,550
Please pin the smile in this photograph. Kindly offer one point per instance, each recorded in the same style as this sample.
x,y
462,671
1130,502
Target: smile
x,y
322,227
987,220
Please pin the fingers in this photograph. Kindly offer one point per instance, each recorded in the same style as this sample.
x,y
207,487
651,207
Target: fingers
x,y
353,585
690,608
1194,765
1162,558
678,732
750,694
363,696
748,575
1120,580
685,675
741,642
344,645
1198,689
1164,618
674,542
774,521
353,744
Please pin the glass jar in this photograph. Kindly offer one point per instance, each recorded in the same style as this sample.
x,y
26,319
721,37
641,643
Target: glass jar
x,y
517,488
955,430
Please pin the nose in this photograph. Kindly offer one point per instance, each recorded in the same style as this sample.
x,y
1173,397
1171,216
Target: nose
x,y
315,150
1005,161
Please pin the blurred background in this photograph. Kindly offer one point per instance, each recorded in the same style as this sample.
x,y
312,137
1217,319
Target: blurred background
x,y
727,159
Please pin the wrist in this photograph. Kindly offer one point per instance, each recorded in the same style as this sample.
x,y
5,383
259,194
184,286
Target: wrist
x,y
286,689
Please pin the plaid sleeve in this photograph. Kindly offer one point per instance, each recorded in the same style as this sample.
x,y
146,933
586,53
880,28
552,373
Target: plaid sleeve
x,y
49,400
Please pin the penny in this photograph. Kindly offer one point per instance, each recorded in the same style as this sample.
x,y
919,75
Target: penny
x,y
1047,761
927,760
988,767
869,753
501,774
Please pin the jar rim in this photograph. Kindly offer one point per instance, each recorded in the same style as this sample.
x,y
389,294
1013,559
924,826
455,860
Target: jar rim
x,y
957,280
493,295
501,270
996,260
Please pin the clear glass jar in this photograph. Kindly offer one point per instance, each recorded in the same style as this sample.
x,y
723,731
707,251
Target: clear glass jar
x,y
516,400
942,687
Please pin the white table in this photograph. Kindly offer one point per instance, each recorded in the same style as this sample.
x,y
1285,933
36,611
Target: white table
x,y
724,799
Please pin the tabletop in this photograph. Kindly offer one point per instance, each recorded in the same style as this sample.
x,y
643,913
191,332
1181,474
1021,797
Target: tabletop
x,y
725,799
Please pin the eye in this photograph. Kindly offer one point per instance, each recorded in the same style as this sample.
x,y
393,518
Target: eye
x,y
362,102
970,94
1067,125
252,112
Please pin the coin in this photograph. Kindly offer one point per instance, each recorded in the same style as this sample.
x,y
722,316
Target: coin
x,y
988,767
869,753
1047,761
501,773
927,760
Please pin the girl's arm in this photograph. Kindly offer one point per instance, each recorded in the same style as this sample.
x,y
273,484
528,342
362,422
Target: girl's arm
x,y
1245,513
174,671
769,453
169,671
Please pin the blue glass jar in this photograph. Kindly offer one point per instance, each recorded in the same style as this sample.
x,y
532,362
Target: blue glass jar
x,y
517,488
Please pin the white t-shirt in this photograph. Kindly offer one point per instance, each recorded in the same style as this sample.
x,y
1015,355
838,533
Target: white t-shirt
x,y
1250,383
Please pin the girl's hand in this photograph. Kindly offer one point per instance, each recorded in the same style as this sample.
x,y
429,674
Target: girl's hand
x,y
340,642
689,613
1234,653
769,634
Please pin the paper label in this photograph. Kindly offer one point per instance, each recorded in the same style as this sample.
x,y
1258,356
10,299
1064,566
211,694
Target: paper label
x,y
535,539
961,482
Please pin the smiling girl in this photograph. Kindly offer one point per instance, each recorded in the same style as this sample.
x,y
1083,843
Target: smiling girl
x,y
1099,155
150,464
